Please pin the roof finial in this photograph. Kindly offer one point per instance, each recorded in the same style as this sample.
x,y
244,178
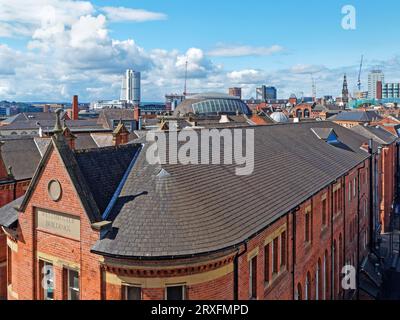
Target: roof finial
x,y
57,128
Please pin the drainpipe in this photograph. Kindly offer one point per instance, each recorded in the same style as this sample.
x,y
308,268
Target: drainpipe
x,y
358,231
372,167
344,222
332,253
294,250
236,273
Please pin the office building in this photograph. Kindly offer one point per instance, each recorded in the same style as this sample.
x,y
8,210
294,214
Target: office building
x,y
374,77
130,89
391,90
266,93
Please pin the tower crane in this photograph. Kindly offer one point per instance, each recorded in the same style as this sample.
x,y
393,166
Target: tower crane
x,y
359,74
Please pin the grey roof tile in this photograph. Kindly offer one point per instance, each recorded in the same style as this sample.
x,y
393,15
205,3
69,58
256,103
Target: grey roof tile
x,y
204,208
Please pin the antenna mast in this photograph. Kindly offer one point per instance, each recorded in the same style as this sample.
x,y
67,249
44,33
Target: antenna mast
x,y
186,69
314,88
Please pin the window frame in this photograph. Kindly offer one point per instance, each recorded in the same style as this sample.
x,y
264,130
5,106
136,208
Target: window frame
x,y
68,287
253,278
127,286
183,286
43,291
267,265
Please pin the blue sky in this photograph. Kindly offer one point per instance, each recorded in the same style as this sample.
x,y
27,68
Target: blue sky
x,y
55,48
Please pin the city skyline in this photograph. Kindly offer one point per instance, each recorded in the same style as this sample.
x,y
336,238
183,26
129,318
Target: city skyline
x,y
53,49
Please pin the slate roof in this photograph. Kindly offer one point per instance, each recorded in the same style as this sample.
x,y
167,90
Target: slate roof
x,y
103,170
178,211
378,134
48,125
22,155
9,213
357,116
85,141
107,116
37,116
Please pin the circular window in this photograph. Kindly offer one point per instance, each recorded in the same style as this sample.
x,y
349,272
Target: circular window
x,y
54,189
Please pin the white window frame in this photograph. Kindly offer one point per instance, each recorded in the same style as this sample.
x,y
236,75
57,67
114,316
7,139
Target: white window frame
x,y
128,285
48,263
68,283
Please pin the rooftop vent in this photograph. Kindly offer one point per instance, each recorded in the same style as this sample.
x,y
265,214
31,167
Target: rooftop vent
x,y
163,174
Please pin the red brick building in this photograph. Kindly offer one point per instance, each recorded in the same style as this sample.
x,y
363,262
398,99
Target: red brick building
x,y
386,162
106,224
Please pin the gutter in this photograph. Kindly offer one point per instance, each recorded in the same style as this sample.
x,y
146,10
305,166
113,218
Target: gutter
x,y
117,192
236,273
358,231
294,250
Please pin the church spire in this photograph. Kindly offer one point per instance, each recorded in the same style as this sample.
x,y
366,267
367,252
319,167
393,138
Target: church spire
x,y
345,91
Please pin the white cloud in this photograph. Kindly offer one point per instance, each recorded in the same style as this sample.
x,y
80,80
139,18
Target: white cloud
x,y
88,31
242,51
306,69
247,76
22,18
71,50
119,14
10,60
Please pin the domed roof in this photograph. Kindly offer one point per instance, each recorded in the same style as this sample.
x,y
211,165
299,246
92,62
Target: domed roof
x,y
279,117
211,104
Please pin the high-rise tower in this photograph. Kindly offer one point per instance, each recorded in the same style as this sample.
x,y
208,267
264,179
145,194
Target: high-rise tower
x,y
374,77
130,89
345,91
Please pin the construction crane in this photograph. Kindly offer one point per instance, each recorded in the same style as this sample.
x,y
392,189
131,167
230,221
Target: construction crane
x,y
359,74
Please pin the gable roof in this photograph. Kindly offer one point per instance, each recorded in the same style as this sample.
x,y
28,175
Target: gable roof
x,y
9,213
88,170
108,116
376,133
196,209
103,170
357,116
22,155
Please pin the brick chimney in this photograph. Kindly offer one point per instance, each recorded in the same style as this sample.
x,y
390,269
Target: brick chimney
x,y
120,135
75,108
136,113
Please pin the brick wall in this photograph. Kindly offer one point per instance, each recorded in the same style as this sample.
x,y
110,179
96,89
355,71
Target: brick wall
x,y
216,280
62,252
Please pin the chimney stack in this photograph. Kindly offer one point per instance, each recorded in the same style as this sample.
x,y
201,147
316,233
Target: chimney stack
x,y
75,108
136,114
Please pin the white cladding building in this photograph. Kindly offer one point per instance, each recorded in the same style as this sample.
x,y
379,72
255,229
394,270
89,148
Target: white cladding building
x,y
130,89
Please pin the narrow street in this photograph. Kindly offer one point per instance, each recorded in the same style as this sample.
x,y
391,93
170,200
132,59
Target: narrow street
x,y
391,285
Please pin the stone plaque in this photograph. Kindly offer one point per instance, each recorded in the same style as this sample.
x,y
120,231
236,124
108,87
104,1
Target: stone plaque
x,y
59,223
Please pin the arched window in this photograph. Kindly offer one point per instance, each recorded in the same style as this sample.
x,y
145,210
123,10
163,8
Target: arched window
x,y
307,287
306,113
340,253
318,281
334,270
299,292
299,113
325,276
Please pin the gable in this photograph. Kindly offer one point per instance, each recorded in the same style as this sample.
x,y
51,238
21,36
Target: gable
x,y
59,160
